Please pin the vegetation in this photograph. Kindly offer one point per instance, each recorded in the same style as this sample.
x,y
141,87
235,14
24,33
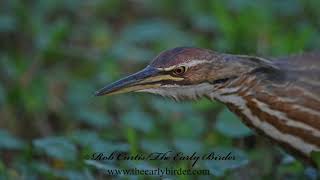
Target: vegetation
x,y
55,54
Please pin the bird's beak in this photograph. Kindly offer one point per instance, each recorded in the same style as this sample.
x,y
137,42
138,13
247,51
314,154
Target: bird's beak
x,y
144,79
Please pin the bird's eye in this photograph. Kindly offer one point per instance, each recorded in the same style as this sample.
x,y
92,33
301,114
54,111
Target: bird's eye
x,y
179,70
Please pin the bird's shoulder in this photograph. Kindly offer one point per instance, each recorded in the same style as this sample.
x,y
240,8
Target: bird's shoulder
x,y
302,60
302,71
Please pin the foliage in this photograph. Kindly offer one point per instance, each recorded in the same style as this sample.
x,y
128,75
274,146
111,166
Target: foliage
x,y
55,54
230,125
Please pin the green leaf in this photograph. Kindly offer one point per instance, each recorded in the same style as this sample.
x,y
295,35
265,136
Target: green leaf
x,y
230,125
95,143
101,36
52,36
188,146
183,127
154,145
124,51
109,147
45,168
41,167
99,165
315,155
94,118
81,97
206,105
219,167
73,175
204,22
138,120
155,30
169,109
2,95
35,97
7,141
57,147
85,138
7,24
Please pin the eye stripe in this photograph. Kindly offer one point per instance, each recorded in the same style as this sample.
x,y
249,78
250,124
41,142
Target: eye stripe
x,y
186,64
167,69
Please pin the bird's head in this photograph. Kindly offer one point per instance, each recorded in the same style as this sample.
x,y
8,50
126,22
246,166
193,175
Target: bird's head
x,y
183,73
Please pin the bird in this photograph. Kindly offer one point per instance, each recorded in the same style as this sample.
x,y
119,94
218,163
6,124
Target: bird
x,y
279,98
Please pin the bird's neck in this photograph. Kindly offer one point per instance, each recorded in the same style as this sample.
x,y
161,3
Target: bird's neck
x,y
236,96
230,92
260,106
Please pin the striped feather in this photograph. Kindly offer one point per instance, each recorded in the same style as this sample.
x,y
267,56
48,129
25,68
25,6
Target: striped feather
x,y
284,107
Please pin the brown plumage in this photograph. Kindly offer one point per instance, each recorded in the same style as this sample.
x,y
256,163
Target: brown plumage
x,y
279,99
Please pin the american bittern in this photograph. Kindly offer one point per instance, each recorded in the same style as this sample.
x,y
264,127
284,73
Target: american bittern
x,y
278,99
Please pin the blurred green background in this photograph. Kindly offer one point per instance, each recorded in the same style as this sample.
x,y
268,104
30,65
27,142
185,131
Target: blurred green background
x,y
55,54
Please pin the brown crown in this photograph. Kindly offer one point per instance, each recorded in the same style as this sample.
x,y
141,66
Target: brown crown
x,y
180,55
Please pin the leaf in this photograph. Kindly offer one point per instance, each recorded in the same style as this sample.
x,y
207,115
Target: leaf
x,y
230,125
103,146
7,24
57,147
80,97
36,97
124,51
155,30
2,95
151,31
287,159
312,173
219,167
315,155
41,167
99,165
204,22
73,175
7,141
44,168
138,120
188,146
169,108
101,36
94,118
8,65
85,138
154,145
206,105
192,123
94,142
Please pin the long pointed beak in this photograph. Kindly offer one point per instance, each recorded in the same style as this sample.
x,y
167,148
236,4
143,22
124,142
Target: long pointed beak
x,y
138,81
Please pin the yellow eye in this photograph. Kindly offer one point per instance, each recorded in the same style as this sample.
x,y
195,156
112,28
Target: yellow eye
x,y
179,70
